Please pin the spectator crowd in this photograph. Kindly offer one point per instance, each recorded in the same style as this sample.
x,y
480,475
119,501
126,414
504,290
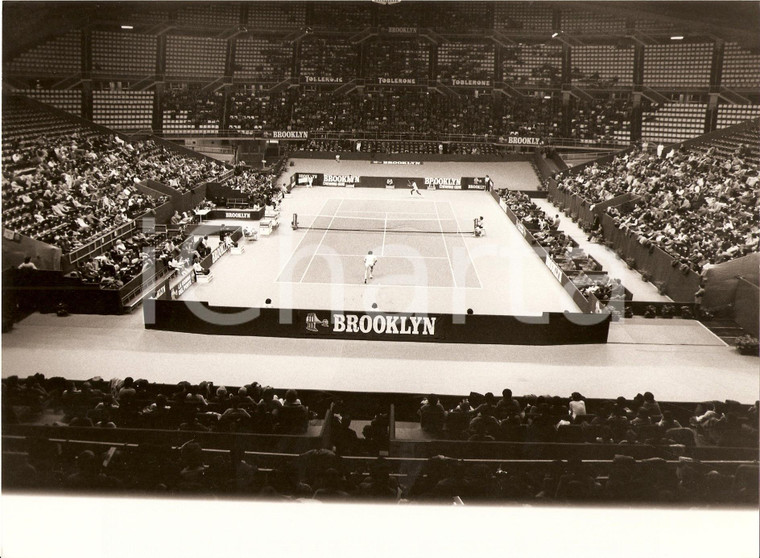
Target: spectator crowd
x,y
69,189
698,205
325,475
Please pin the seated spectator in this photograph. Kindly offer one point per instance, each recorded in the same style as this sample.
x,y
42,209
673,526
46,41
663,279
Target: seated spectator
x,y
262,421
667,421
432,415
577,405
379,485
650,405
642,418
27,263
507,406
330,490
126,389
484,424
234,416
89,475
292,417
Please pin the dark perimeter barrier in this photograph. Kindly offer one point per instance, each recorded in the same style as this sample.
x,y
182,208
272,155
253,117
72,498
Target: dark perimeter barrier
x,y
390,182
551,328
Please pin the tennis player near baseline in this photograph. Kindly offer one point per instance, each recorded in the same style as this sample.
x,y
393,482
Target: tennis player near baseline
x,y
415,189
369,265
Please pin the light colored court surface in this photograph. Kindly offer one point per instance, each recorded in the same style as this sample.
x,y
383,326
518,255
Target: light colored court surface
x,y
80,347
416,271
417,243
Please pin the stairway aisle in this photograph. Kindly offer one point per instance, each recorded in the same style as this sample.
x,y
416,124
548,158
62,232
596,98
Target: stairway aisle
x,y
725,328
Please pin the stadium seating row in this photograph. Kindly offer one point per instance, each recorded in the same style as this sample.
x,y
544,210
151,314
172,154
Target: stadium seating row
x,y
178,432
271,59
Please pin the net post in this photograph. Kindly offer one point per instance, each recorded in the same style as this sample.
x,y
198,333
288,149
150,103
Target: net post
x,y
294,222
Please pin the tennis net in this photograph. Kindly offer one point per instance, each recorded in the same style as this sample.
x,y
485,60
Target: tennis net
x,y
376,224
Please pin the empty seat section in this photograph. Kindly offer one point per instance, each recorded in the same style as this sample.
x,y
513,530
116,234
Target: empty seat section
x,y
195,57
263,59
741,67
654,26
328,58
465,61
436,15
602,65
538,64
123,110
673,122
69,100
583,21
204,14
60,57
123,53
398,58
521,15
678,65
276,15
728,115
346,15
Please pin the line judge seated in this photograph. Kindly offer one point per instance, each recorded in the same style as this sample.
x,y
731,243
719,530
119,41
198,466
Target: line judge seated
x,y
251,233
199,270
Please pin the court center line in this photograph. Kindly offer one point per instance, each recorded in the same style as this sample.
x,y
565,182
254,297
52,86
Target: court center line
x,y
445,246
321,209
469,256
314,255
385,230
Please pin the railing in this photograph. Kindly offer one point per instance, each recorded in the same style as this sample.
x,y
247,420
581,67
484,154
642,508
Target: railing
x,y
588,305
100,243
232,134
212,149
142,283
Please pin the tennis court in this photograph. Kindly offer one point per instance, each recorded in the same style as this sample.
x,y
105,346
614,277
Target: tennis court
x,y
418,243
428,258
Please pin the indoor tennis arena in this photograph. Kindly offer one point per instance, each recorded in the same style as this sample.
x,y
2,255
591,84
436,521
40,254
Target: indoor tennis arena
x,y
493,256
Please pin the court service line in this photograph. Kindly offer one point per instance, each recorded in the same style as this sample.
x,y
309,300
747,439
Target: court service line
x,y
388,286
400,257
396,218
432,215
321,240
474,267
445,246
321,209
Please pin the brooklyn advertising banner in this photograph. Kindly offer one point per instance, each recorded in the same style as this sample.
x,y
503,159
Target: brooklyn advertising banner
x,y
391,182
370,326
547,329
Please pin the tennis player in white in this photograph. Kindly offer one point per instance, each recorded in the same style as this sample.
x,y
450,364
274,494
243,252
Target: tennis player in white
x,y
414,188
369,265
